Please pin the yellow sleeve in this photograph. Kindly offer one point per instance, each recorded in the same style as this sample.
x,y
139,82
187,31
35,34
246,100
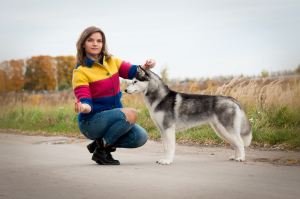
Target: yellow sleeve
x,y
118,62
79,79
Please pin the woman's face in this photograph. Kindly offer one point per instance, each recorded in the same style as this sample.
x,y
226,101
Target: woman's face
x,y
93,45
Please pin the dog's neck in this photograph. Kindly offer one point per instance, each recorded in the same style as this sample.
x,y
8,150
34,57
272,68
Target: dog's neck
x,y
156,89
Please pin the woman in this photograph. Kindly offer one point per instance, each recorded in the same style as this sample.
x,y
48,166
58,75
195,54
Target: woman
x,y
96,86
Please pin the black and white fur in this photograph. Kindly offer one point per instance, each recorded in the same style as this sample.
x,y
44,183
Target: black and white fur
x,y
172,111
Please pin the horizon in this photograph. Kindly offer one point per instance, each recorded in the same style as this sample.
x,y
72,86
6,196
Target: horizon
x,y
192,37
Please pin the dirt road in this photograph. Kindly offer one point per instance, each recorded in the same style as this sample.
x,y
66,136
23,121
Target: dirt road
x,y
32,167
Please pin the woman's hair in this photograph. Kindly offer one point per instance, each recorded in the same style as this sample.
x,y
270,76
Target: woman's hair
x,y
81,54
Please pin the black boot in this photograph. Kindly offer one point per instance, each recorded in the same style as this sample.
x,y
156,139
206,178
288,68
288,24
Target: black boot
x,y
102,155
92,146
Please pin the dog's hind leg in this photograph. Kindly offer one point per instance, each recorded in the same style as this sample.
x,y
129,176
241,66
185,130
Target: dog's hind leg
x,y
168,137
233,137
238,146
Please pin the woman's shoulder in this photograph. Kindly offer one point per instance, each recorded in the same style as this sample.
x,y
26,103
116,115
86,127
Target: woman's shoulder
x,y
76,67
117,60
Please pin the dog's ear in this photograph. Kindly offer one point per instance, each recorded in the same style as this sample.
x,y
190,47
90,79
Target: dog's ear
x,y
143,71
142,74
140,67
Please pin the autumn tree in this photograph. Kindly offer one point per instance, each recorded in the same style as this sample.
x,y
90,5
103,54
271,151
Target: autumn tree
x,y
65,66
4,82
41,73
15,73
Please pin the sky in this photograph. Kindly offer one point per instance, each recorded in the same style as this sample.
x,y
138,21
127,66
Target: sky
x,y
192,38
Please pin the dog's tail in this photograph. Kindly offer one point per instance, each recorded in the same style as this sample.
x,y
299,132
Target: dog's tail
x,y
246,132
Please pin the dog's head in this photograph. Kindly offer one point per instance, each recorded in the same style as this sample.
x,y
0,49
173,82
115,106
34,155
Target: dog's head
x,y
140,82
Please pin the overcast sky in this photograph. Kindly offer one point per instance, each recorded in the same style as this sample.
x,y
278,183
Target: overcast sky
x,y
193,38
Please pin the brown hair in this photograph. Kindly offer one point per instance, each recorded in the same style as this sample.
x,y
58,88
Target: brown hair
x,y
81,54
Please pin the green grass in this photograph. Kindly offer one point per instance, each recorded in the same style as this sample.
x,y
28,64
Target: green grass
x,y
50,120
274,126
147,123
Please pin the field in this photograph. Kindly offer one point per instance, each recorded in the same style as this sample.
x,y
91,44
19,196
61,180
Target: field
x,y
272,107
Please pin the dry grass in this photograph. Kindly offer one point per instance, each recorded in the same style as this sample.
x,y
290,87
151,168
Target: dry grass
x,y
49,99
262,93
265,94
259,92
272,106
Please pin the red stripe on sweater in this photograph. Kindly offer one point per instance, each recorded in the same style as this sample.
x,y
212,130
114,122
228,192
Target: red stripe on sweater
x,y
106,88
124,69
82,92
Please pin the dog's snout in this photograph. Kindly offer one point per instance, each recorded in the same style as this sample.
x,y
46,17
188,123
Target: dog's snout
x,y
125,90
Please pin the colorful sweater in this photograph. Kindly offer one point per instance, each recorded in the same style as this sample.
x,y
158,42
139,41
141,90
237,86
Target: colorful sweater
x,y
98,84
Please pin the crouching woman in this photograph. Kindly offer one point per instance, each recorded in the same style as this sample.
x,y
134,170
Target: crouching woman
x,y
96,85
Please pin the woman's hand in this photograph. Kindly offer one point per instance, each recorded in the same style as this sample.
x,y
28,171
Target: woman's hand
x,y
82,108
150,63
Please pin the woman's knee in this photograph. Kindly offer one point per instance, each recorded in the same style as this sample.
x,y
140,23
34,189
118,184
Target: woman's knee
x,y
142,139
130,114
134,138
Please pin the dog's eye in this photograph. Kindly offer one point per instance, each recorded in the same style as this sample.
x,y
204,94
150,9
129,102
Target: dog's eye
x,y
134,81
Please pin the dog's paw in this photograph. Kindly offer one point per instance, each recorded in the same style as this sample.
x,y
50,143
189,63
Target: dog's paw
x,y
232,157
164,162
240,159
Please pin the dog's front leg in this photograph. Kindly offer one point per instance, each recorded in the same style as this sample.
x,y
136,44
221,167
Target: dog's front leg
x,y
168,137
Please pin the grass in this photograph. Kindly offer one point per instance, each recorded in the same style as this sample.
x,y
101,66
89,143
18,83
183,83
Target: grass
x,y
46,121
272,107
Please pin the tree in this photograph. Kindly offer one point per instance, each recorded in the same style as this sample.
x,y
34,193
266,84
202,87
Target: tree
x,y
4,81
40,73
65,66
15,75
264,74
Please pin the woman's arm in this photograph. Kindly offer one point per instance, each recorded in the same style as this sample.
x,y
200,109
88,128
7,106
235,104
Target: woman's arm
x,y
128,71
82,92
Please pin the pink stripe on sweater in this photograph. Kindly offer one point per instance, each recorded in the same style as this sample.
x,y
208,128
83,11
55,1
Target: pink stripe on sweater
x,y
106,88
82,92
124,69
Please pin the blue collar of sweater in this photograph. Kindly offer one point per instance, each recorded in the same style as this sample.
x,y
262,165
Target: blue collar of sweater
x,y
89,62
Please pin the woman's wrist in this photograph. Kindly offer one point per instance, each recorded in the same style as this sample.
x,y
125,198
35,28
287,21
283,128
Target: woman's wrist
x,y
86,108
150,63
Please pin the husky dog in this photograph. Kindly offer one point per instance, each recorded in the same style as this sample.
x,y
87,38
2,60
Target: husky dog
x,y
172,111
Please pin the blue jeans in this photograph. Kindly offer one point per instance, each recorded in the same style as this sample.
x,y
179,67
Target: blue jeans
x,y
114,128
